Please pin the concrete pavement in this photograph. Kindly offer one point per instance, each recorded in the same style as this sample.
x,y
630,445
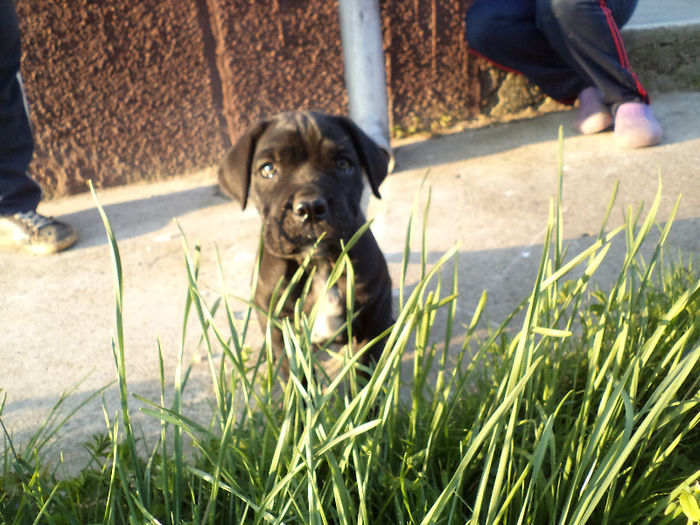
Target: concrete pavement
x,y
663,43
670,14
491,189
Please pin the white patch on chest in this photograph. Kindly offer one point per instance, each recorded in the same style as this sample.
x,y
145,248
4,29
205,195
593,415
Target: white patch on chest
x,y
330,315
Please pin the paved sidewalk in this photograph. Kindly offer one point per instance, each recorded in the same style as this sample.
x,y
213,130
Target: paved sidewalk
x,y
669,13
491,190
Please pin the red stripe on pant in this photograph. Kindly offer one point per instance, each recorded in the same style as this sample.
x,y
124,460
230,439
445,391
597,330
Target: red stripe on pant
x,y
620,46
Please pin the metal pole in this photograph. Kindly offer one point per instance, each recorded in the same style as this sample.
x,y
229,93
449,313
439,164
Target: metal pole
x,y
365,76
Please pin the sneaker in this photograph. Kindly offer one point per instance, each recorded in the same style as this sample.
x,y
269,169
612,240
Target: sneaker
x,y
29,231
636,126
593,114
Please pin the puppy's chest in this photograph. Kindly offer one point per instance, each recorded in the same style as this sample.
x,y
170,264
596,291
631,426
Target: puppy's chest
x,y
331,312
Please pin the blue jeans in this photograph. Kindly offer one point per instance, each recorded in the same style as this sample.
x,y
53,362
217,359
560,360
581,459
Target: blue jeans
x,y
563,46
18,192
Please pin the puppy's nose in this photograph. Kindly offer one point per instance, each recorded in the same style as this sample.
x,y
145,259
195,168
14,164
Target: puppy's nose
x,y
311,210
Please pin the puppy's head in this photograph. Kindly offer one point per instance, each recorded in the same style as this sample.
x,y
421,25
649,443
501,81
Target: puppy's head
x,y
304,173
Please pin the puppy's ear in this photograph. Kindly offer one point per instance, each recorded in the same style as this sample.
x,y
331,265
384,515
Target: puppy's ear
x,y
374,160
235,169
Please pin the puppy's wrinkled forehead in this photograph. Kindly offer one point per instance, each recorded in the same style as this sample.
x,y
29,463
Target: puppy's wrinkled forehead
x,y
293,138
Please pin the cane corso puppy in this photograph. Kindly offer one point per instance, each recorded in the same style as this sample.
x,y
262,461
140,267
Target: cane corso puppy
x,y
305,173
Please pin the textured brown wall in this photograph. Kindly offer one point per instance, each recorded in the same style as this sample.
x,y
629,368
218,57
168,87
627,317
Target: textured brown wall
x,y
432,80
119,91
126,91
277,55
286,54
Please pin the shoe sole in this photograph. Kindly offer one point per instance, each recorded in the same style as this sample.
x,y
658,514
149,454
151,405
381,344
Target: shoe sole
x,y
43,249
596,123
635,142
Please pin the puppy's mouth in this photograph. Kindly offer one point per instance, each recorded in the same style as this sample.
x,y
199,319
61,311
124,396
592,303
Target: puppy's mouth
x,y
300,239
307,221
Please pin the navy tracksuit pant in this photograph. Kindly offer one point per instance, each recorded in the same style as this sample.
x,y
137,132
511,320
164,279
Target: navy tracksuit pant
x,y
563,46
18,192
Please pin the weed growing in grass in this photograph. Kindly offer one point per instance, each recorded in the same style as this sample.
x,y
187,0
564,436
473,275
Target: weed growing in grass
x,y
588,413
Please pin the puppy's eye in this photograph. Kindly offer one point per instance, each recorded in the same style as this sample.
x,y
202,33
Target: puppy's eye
x,y
268,170
344,165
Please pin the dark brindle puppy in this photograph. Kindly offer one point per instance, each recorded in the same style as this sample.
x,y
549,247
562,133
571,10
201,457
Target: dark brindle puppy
x,y
304,173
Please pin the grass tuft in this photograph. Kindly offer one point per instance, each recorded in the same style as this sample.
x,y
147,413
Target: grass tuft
x,y
587,411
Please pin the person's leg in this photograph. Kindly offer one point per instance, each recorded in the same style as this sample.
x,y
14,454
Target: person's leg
x,y
505,32
21,228
18,192
587,35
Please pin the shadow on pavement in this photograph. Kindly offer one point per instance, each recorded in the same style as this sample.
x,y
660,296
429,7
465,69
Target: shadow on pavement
x,y
137,217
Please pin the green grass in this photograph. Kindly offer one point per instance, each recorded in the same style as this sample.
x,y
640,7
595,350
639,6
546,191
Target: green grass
x,y
586,411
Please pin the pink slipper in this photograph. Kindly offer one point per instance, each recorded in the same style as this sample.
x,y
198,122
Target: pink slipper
x,y
593,115
636,126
